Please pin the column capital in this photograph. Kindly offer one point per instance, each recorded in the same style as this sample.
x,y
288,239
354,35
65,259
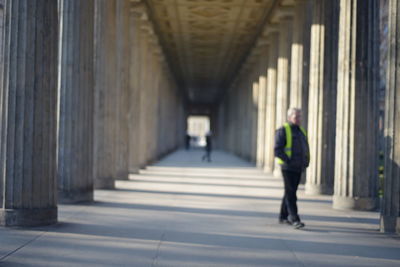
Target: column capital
x,y
138,9
288,3
281,14
146,27
262,42
270,29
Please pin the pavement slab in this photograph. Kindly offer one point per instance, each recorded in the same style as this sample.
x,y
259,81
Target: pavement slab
x,y
185,212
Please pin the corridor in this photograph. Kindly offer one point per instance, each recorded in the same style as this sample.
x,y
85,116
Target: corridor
x,y
184,212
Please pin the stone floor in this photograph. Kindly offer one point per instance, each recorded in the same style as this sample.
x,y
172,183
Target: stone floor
x,y
184,212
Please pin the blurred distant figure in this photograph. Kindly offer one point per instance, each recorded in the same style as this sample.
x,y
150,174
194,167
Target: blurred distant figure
x,y
208,148
187,141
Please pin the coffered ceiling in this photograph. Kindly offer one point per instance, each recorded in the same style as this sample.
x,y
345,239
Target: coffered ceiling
x,y
206,40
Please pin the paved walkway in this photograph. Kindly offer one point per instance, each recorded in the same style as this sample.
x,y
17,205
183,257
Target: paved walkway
x,y
183,212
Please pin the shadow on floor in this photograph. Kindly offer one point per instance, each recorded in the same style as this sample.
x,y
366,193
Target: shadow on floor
x,y
224,212
205,184
233,241
214,195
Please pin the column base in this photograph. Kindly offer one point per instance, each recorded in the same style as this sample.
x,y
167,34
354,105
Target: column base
x,y
398,225
349,203
72,197
134,170
260,164
389,224
303,178
104,183
277,172
318,189
268,169
124,176
28,217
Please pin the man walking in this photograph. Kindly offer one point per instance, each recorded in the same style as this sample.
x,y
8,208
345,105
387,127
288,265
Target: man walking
x,y
292,151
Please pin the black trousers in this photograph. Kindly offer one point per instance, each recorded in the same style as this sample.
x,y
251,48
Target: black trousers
x,y
291,180
207,156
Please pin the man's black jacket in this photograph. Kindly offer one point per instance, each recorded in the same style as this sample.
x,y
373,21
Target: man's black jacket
x,y
300,158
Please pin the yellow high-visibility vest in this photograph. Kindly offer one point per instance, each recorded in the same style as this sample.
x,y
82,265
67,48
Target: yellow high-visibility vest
x,y
289,140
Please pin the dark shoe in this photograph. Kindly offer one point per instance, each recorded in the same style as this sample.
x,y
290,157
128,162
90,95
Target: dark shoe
x,y
298,225
285,221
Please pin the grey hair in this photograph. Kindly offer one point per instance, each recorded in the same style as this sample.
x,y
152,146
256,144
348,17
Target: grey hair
x,y
292,111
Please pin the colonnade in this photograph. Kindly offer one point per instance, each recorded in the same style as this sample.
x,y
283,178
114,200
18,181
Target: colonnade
x,y
329,67
87,98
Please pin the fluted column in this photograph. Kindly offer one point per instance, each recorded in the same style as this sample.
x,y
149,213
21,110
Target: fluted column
x,y
230,122
106,112
300,58
122,87
242,103
143,87
154,98
76,90
390,210
162,134
248,119
283,78
254,112
283,68
134,91
270,113
357,109
222,131
241,113
146,97
28,194
236,145
322,101
262,83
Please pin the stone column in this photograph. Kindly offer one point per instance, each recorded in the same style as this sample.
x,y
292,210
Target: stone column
x,y
222,133
283,77
242,106
241,111
270,113
144,92
238,124
76,97
228,121
105,125
243,101
232,123
254,112
238,130
356,168
248,118
262,82
299,65
122,87
390,210
283,71
300,57
28,195
134,91
322,101
154,98
162,134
